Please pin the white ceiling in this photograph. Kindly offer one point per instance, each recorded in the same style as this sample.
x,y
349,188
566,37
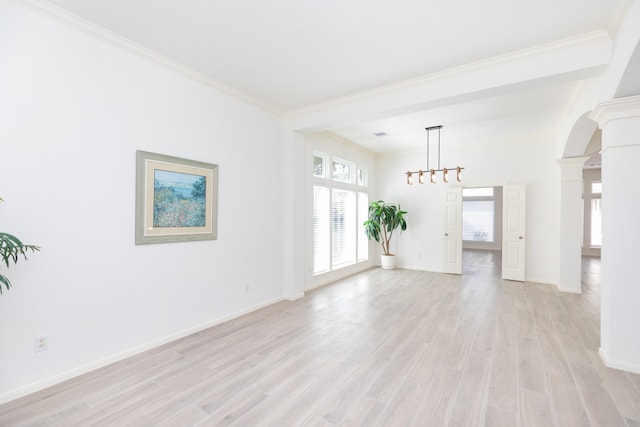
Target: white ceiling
x,y
289,55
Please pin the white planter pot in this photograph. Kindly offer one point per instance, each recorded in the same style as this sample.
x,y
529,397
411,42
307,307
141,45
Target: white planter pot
x,y
388,262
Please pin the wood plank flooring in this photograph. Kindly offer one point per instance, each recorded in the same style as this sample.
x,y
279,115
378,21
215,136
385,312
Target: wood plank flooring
x,y
381,348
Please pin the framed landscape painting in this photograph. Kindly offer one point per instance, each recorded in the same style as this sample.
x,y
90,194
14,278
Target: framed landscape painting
x,y
176,199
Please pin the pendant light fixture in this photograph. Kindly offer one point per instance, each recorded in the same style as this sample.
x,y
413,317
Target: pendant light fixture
x,y
432,172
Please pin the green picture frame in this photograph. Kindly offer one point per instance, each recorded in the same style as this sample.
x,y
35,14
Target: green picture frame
x,y
176,199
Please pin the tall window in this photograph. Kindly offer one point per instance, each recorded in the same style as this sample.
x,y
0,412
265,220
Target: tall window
x,y
343,227
478,214
340,203
363,215
321,230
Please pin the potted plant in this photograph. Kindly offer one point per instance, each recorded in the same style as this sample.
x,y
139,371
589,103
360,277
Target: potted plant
x,y
11,248
384,219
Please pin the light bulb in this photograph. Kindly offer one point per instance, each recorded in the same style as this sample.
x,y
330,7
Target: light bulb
x,y
421,177
409,178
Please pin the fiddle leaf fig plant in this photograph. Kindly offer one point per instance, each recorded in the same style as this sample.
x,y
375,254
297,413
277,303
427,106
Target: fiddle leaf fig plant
x,y
384,219
12,249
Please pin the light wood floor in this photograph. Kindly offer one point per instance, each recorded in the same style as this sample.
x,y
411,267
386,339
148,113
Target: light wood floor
x,y
381,348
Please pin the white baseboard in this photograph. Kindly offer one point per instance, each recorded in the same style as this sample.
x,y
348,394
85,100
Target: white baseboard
x,y
570,290
616,364
294,297
92,366
540,281
415,268
334,276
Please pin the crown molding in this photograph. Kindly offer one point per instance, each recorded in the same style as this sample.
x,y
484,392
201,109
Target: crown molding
x,y
615,109
583,41
73,21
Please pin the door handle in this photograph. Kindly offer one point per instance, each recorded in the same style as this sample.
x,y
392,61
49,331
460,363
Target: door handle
x,y
446,234
520,237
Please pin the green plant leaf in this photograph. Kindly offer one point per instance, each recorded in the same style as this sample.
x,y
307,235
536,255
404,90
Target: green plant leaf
x,y
11,249
4,281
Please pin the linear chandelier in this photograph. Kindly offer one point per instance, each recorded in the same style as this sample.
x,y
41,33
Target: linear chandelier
x,y
432,172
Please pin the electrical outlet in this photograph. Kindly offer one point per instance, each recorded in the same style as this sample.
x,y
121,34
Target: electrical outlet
x,y
41,343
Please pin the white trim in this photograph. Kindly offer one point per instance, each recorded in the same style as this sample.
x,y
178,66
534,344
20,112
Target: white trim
x,y
294,297
577,44
94,30
538,281
569,290
616,364
615,109
571,168
92,366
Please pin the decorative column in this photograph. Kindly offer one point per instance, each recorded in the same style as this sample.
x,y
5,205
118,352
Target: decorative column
x,y
619,120
571,224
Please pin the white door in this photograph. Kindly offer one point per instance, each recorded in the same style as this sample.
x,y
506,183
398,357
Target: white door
x,y
453,231
513,232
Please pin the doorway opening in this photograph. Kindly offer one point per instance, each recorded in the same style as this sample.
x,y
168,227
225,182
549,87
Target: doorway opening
x,y
482,231
592,214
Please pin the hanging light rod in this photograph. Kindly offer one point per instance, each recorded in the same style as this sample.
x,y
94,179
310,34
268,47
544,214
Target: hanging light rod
x,y
432,171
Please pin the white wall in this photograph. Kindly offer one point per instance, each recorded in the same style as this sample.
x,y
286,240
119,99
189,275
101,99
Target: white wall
x,y
73,111
487,163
